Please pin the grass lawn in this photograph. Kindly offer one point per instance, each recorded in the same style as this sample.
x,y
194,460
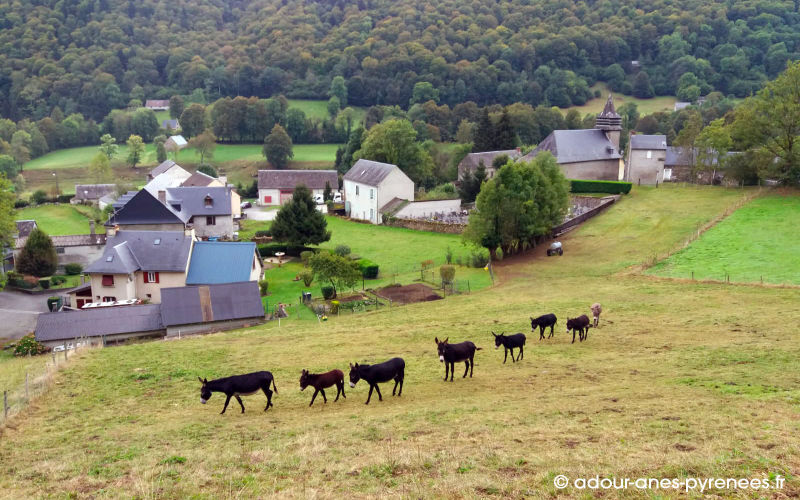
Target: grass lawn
x,y
55,220
758,240
645,106
681,379
319,109
80,158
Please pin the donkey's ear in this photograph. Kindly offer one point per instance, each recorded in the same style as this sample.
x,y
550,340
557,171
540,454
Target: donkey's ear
x,y
494,334
445,340
351,365
436,339
201,380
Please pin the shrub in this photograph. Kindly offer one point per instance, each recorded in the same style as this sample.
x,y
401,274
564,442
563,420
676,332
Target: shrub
x,y
38,255
263,287
308,277
479,258
611,187
447,273
327,292
38,197
21,203
342,250
448,256
44,283
269,249
369,269
57,280
73,269
305,255
262,233
334,306
28,345
64,198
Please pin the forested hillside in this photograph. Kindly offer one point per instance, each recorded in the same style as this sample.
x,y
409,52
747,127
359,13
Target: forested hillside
x,y
91,56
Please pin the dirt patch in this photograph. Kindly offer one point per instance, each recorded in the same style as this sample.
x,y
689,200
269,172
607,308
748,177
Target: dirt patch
x,y
409,294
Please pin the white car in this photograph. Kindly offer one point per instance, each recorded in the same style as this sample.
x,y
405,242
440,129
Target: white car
x,y
337,197
319,199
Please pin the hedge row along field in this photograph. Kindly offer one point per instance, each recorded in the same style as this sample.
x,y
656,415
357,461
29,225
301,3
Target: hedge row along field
x,y
611,187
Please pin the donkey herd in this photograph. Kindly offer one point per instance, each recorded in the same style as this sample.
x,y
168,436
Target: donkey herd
x,y
393,369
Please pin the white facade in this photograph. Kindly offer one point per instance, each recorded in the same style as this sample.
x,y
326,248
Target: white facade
x,y
365,200
271,197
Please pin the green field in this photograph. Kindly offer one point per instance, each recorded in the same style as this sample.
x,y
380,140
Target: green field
x,y
645,106
55,220
758,241
80,158
681,379
318,109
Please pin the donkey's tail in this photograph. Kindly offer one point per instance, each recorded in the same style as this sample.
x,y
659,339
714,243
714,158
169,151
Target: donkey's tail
x,y
478,348
274,386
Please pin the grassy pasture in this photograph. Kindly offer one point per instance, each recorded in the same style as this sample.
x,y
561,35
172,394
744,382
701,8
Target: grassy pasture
x,y
645,106
682,379
56,220
318,109
758,240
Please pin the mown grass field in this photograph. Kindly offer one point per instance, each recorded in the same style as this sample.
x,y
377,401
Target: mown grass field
x,y
318,109
645,106
681,379
55,220
758,241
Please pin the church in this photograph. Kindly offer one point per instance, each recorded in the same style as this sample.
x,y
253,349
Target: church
x,y
589,154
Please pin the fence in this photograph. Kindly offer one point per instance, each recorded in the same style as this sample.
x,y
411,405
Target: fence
x,y
38,380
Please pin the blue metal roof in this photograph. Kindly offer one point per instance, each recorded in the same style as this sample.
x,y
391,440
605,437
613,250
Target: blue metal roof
x,y
215,262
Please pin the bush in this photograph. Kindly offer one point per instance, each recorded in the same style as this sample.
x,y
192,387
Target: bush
x,y
327,292
334,307
342,250
21,203
611,187
369,269
28,345
447,273
44,283
308,277
479,258
57,280
262,233
448,256
65,198
269,249
73,269
263,287
305,255
38,197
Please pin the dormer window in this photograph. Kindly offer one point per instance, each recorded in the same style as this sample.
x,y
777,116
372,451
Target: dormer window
x,y
176,206
209,201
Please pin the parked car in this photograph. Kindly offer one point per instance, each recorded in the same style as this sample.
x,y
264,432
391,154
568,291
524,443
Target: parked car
x,y
247,204
337,197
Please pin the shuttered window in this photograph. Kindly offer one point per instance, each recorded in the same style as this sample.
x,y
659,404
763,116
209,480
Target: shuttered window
x,y
108,280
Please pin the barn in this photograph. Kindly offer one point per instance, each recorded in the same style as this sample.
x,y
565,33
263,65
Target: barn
x,y
276,187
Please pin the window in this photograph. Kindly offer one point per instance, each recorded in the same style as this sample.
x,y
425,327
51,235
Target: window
x,y
149,296
649,155
108,280
109,299
667,174
371,197
267,199
356,190
151,277
371,214
208,201
211,220
59,249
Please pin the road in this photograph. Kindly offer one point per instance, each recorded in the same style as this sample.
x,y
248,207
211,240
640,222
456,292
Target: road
x,y
18,313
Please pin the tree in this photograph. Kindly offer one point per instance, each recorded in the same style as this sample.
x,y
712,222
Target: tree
x,y
298,222
484,134
108,146
471,183
100,168
465,132
642,87
38,256
161,150
278,147
7,226
20,147
176,106
340,272
395,142
713,144
204,145
327,193
504,137
135,150
688,135
193,120
423,92
208,170
334,105
8,166
339,90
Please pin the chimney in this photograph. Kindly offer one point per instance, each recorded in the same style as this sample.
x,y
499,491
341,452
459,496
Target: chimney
x,y
91,227
162,197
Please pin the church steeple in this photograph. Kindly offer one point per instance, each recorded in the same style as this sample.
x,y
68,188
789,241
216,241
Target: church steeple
x,y
610,122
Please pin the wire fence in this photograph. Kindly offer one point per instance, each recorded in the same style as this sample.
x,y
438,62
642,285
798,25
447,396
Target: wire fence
x,y
38,380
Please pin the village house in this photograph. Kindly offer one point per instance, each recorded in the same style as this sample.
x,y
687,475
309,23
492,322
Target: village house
x,y
209,210
216,262
591,154
276,187
80,249
175,143
646,157
143,211
370,185
157,104
173,124
138,264
91,193
199,179
25,227
171,169
472,160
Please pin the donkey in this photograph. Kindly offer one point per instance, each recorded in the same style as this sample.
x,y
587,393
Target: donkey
x,y
375,374
580,324
543,322
449,354
243,385
509,342
596,310
320,381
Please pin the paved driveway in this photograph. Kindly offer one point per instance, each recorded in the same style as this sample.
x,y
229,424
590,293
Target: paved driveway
x,y
256,213
18,313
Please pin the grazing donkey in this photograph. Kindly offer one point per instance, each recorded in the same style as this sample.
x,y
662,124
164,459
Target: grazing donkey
x,y
375,374
320,381
580,324
449,354
596,310
543,322
239,385
509,342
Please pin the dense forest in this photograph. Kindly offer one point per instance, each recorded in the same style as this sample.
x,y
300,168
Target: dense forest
x,y
92,56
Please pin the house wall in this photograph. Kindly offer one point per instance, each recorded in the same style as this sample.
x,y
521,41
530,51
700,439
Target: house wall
x,y
256,270
79,254
236,204
124,287
214,326
646,170
276,195
165,280
428,208
109,339
173,177
395,185
361,204
223,227
599,170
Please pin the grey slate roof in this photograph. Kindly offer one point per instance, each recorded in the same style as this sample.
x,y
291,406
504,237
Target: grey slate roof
x,y
205,303
122,200
191,201
289,179
369,172
93,191
98,322
129,251
572,146
653,142
198,179
144,208
25,227
472,160
173,124
163,167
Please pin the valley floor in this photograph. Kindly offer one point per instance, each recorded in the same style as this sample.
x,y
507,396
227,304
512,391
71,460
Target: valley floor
x,y
681,380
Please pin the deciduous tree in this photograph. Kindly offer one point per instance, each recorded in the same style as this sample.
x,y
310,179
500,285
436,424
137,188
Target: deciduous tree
x,y
395,142
278,147
204,145
135,150
100,168
340,272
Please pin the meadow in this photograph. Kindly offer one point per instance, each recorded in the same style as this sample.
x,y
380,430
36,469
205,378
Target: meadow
x,y
681,380
318,109
56,220
645,106
760,241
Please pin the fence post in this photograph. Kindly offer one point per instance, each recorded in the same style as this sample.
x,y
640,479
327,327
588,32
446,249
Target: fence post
x,y
54,358
468,288
692,275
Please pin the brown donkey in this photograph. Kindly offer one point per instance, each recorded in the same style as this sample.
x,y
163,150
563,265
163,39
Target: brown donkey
x,y
320,381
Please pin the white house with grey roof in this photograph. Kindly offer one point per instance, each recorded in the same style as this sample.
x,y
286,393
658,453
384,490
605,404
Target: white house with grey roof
x,y
646,157
167,175
276,187
371,185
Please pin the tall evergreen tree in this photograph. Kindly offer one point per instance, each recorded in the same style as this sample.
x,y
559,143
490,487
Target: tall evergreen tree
x,y
278,147
38,256
484,134
298,222
504,137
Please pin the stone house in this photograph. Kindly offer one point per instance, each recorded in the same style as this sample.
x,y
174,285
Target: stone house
x,y
646,158
472,160
276,187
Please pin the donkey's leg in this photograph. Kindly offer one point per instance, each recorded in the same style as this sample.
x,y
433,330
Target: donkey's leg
x,y
342,384
378,390
505,349
446,372
541,333
268,394
512,355
471,364
521,352
323,396
240,401
313,397
369,396
227,400
573,336
551,330
400,392
338,391
466,368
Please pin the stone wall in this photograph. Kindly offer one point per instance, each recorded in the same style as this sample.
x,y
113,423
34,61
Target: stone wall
x,y
424,225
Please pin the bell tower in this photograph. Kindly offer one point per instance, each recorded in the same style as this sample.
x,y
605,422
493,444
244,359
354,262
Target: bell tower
x,y
610,122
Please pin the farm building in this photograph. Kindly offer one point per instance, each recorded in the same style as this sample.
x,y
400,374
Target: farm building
x,y
167,175
472,160
370,185
646,158
276,187
173,124
216,262
175,143
157,104
80,249
91,193
591,154
100,325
